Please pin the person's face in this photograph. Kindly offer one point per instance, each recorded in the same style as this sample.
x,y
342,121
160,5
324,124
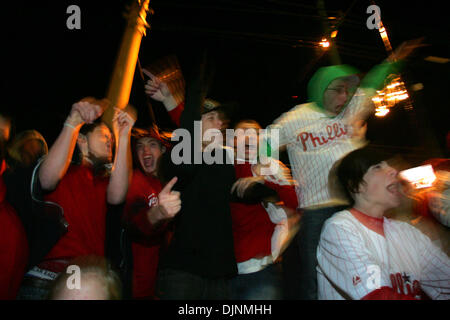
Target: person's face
x,y
5,128
336,95
100,142
211,120
148,151
248,138
381,187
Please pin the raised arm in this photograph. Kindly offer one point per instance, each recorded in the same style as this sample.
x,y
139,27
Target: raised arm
x,y
195,95
56,163
361,107
158,90
122,168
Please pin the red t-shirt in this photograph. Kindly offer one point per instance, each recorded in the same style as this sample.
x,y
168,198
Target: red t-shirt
x,y
252,228
146,241
175,114
83,199
13,248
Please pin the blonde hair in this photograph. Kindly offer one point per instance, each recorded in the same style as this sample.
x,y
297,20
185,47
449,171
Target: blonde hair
x,y
94,265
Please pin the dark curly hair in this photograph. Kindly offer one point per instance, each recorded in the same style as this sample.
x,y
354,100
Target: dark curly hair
x,y
352,168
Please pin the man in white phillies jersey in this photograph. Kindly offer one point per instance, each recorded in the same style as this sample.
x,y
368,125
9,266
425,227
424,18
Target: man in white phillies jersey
x,y
363,255
317,134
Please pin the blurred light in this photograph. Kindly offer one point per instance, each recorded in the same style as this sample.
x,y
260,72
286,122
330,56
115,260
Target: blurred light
x,y
417,86
381,111
334,34
324,43
437,59
384,37
419,177
389,96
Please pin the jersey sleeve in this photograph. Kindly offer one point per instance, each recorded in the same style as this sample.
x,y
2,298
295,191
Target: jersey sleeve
x,y
360,106
349,267
175,113
277,133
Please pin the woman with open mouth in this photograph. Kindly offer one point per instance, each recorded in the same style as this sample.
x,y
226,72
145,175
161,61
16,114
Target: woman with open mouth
x,y
364,255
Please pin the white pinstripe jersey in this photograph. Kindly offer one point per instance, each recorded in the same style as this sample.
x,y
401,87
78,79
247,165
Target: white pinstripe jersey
x,y
354,260
315,141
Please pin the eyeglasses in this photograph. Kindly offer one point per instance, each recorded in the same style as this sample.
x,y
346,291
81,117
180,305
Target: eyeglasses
x,y
340,90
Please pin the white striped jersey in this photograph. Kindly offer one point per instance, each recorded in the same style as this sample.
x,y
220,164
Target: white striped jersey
x,y
354,260
315,141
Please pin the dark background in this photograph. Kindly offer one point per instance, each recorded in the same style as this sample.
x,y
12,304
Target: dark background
x,y
262,50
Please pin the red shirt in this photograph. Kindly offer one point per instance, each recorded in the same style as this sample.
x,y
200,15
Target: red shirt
x,y
252,228
83,199
13,248
142,195
175,114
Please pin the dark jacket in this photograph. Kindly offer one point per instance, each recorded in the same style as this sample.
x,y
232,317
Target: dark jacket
x,y
202,243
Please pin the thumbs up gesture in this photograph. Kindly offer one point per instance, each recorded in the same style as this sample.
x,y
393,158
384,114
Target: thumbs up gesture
x,y
169,204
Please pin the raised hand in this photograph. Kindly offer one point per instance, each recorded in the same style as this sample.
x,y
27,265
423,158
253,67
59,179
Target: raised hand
x,y
85,111
275,171
124,120
359,129
155,88
169,203
405,49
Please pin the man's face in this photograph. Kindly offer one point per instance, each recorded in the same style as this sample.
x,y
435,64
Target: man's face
x,y
148,151
211,120
100,143
246,140
336,95
381,187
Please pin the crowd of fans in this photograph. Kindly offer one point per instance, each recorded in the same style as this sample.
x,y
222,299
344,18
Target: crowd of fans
x,y
107,212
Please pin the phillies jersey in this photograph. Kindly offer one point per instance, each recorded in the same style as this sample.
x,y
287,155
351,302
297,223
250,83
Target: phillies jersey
x,y
315,141
361,257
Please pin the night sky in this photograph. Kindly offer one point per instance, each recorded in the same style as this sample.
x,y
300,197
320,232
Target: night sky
x,y
260,62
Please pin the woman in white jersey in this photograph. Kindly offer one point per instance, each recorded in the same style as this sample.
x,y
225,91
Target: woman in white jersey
x,y
364,255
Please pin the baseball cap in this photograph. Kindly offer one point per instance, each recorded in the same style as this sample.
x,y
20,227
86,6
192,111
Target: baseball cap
x,y
210,105
228,109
